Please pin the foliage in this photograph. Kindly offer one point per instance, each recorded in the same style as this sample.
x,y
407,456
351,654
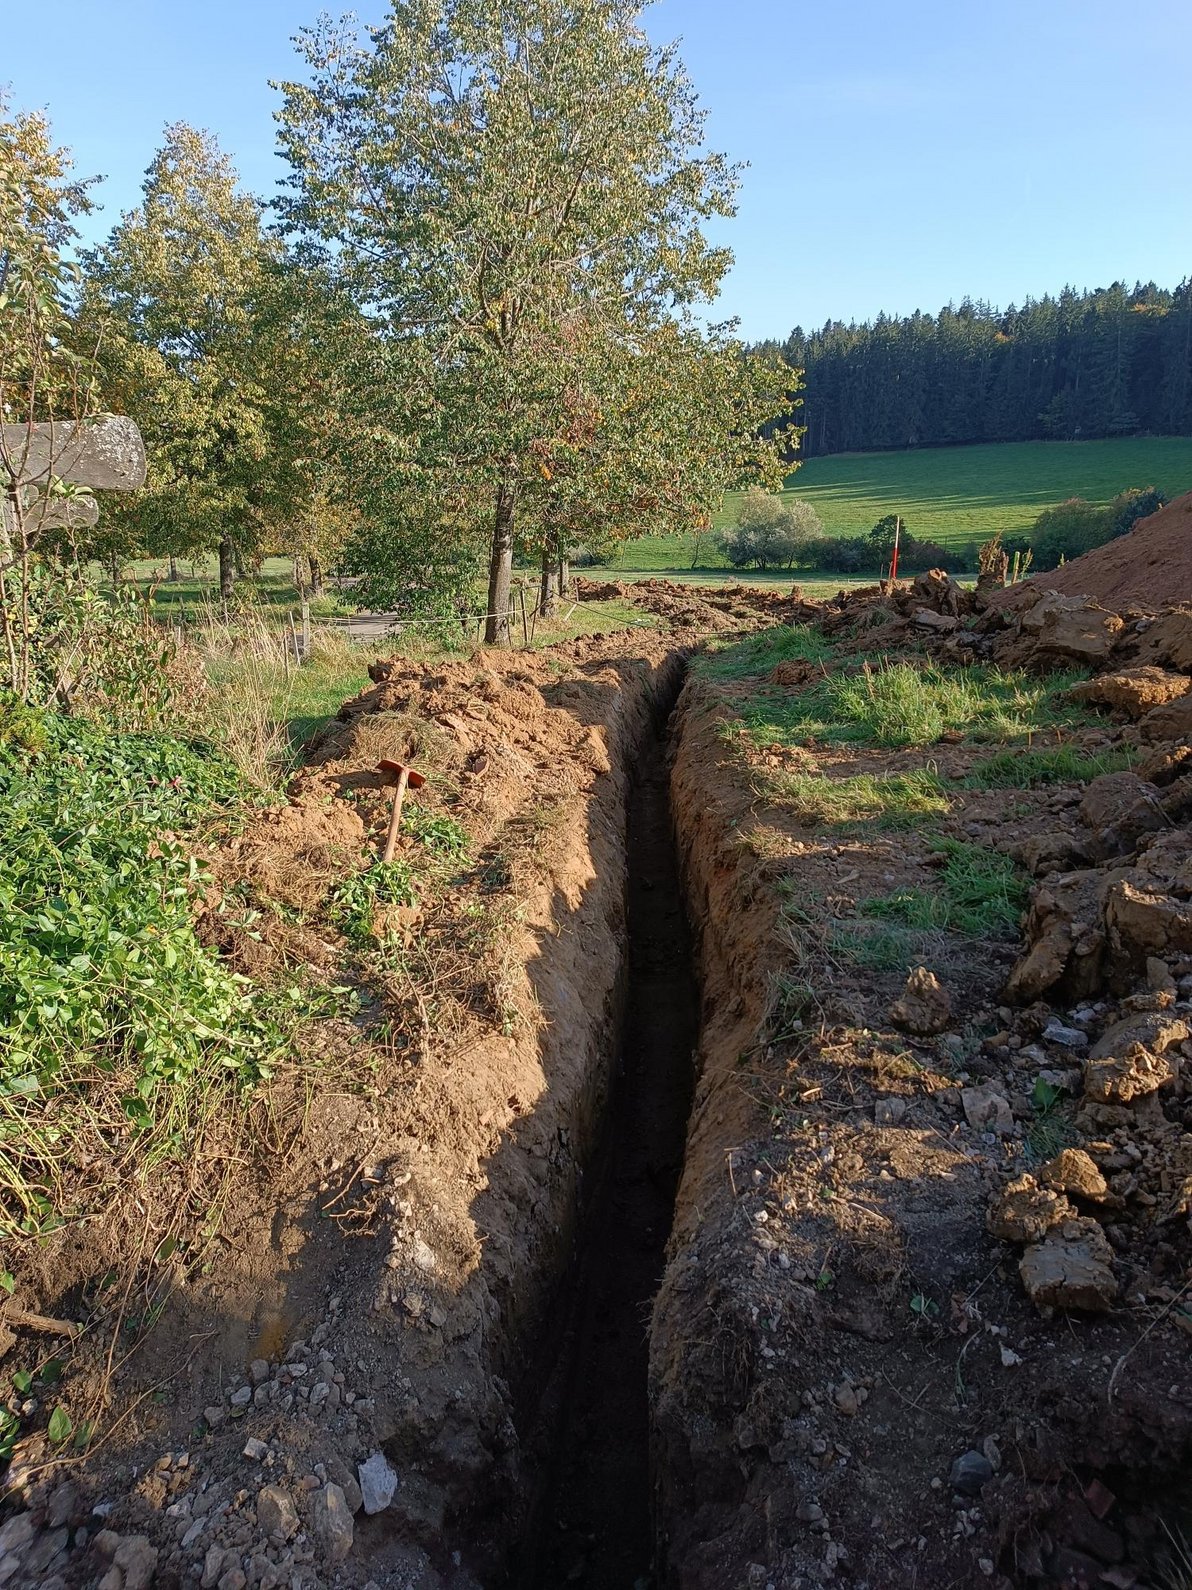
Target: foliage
x,y
513,332
175,292
1067,530
1061,764
76,649
981,893
104,983
357,899
1105,363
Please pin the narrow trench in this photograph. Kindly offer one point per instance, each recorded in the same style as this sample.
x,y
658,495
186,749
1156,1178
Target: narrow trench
x,y
591,1525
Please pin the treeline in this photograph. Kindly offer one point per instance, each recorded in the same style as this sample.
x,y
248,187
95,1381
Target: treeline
x,y
1115,361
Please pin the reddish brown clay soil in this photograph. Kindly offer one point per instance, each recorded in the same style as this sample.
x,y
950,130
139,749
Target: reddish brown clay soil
x,y
1149,567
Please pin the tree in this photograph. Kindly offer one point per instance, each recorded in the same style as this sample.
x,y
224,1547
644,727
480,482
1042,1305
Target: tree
x,y
480,175
175,290
886,529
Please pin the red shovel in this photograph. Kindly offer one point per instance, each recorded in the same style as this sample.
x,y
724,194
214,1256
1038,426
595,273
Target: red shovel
x,y
401,777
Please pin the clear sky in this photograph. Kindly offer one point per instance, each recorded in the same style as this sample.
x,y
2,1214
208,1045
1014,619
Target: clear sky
x,y
900,155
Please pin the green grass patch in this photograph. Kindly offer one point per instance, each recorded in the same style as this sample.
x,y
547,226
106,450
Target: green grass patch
x,y
890,800
898,704
877,946
981,893
1061,764
760,653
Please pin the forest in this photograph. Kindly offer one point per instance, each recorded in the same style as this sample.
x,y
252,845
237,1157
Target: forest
x,y
1114,361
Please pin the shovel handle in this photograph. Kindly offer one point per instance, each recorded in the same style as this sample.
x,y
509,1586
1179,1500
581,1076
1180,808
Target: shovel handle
x,y
399,795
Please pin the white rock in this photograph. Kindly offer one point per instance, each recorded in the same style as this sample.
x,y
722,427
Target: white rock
x,y
378,1482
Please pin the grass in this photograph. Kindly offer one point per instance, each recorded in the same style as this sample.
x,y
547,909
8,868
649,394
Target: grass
x,y
889,800
1061,764
898,704
761,652
981,894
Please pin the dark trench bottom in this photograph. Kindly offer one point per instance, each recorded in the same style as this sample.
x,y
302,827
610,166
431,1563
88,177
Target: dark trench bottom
x,y
592,1525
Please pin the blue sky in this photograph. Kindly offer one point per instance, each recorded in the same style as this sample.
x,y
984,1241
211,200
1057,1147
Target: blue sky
x,y
900,155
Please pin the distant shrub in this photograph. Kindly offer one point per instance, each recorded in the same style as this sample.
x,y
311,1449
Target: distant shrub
x,y
1133,504
769,532
1068,530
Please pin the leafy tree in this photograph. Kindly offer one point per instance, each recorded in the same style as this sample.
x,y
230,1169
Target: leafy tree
x,y
1067,530
884,531
175,290
1133,504
483,178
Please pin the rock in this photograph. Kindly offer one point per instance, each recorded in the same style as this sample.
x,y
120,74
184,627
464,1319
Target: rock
x,y
339,1471
1158,976
331,1521
213,1566
1055,851
987,1110
1134,691
1119,808
233,1579
1067,1037
942,623
378,1481
1074,1171
1071,626
258,1371
1071,1268
1154,1030
276,1513
241,1397
1066,938
1130,1076
1170,722
64,1505
970,1473
1144,922
846,1399
936,589
255,1449
16,1534
924,1006
137,1562
1025,1212
888,1112
215,1416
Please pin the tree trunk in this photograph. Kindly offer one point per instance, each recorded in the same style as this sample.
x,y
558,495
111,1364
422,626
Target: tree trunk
x,y
316,573
564,574
500,571
548,591
227,575
114,570
172,577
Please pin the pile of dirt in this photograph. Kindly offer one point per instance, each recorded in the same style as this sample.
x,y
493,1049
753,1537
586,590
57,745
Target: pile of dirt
x,y
925,1315
324,1388
1149,567
704,609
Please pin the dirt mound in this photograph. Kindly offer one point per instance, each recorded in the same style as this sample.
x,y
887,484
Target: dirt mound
x,y
1149,567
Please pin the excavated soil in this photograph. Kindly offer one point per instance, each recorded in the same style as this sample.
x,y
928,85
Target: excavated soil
x,y
441,1337
1149,567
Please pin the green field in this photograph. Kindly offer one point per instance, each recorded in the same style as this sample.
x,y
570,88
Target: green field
x,y
955,495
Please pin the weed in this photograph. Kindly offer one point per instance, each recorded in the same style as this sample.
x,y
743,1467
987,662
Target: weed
x,y
109,1003
893,800
439,834
981,894
355,901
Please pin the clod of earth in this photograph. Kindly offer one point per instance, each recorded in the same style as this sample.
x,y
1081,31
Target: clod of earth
x,y
986,1109
1071,1269
1134,691
1132,1074
1075,1171
1025,1212
924,1006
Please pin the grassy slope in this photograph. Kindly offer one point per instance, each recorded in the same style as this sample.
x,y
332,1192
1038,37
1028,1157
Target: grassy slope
x,y
952,494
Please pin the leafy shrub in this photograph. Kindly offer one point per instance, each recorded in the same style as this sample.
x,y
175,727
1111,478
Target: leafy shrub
x,y
1068,530
103,979
1133,504
355,899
